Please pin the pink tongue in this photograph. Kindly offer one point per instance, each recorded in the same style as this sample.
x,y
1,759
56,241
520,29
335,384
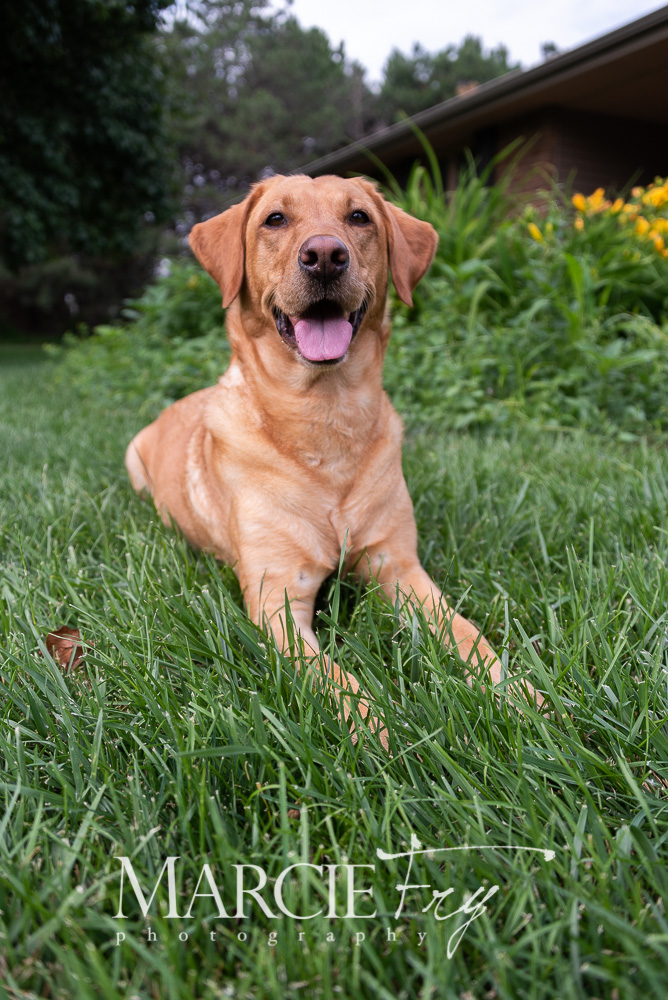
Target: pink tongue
x,y
323,339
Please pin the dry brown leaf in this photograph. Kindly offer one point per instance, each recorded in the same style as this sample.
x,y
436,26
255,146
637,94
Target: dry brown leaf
x,y
656,785
64,645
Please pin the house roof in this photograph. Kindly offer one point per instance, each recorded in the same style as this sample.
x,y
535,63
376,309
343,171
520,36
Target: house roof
x,y
622,74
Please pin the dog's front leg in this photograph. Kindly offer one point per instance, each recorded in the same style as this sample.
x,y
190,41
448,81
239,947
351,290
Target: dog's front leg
x,y
418,590
267,600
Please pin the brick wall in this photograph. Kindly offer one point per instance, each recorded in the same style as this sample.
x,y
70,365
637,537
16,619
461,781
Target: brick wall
x,y
596,150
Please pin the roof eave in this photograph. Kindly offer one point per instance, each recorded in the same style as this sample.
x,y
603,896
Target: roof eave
x,y
499,95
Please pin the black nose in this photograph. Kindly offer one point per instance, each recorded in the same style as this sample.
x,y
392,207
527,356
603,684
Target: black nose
x,y
324,257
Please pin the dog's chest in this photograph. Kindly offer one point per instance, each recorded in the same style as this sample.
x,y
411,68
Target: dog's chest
x,y
315,473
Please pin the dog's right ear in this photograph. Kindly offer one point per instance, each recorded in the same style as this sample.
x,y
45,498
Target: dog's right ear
x,y
220,246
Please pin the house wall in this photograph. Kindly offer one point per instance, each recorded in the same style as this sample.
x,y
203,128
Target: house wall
x,y
579,150
592,150
538,167
610,152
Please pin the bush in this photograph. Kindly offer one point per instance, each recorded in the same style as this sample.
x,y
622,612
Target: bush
x,y
532,316
171,343
558,316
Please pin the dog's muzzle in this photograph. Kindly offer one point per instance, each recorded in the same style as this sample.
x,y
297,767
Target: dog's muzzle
x,y
323,333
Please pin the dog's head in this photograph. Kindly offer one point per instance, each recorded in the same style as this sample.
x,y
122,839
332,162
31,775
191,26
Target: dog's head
x,y
309,259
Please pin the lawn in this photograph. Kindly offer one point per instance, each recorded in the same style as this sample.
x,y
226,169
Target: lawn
x,y
184,733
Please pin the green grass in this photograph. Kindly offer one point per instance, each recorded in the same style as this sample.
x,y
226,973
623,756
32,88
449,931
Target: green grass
x,y
185,733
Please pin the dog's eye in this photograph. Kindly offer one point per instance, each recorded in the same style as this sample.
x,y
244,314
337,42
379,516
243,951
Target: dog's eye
x,y
359,218
275,219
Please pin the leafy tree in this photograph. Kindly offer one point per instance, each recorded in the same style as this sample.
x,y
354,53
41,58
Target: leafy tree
x,y
548,50
99,108
416,82
82,134
259,93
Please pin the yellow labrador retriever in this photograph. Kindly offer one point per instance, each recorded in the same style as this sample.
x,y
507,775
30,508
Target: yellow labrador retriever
x,y
297,449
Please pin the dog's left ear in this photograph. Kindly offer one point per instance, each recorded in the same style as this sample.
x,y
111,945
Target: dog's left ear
x,y
220,246
412,245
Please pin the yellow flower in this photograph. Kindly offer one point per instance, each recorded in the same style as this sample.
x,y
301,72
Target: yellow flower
x,y
659,244
579,202
535,232
656,197
596,200
636,192
617,206
642,226
579,223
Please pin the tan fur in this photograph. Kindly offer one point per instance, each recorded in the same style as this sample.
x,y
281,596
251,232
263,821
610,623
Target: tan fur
x,y
277,465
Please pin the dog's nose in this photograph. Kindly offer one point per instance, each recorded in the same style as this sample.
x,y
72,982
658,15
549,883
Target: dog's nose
x,y
325,257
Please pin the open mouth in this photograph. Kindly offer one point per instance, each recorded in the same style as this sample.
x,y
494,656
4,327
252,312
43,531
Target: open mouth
x,y
323,333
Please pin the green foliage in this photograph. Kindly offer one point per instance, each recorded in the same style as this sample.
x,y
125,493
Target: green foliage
x,y
256,92
570,329
171,343
228,90
413,83
82,134
566,327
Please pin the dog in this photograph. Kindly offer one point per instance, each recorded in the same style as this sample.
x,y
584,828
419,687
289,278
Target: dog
x,y
296,452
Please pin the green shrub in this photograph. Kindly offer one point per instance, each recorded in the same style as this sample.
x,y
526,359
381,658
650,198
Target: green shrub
x,y
171,343
523,316
527,316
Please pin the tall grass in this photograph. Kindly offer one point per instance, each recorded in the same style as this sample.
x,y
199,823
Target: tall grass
x,y
185,733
